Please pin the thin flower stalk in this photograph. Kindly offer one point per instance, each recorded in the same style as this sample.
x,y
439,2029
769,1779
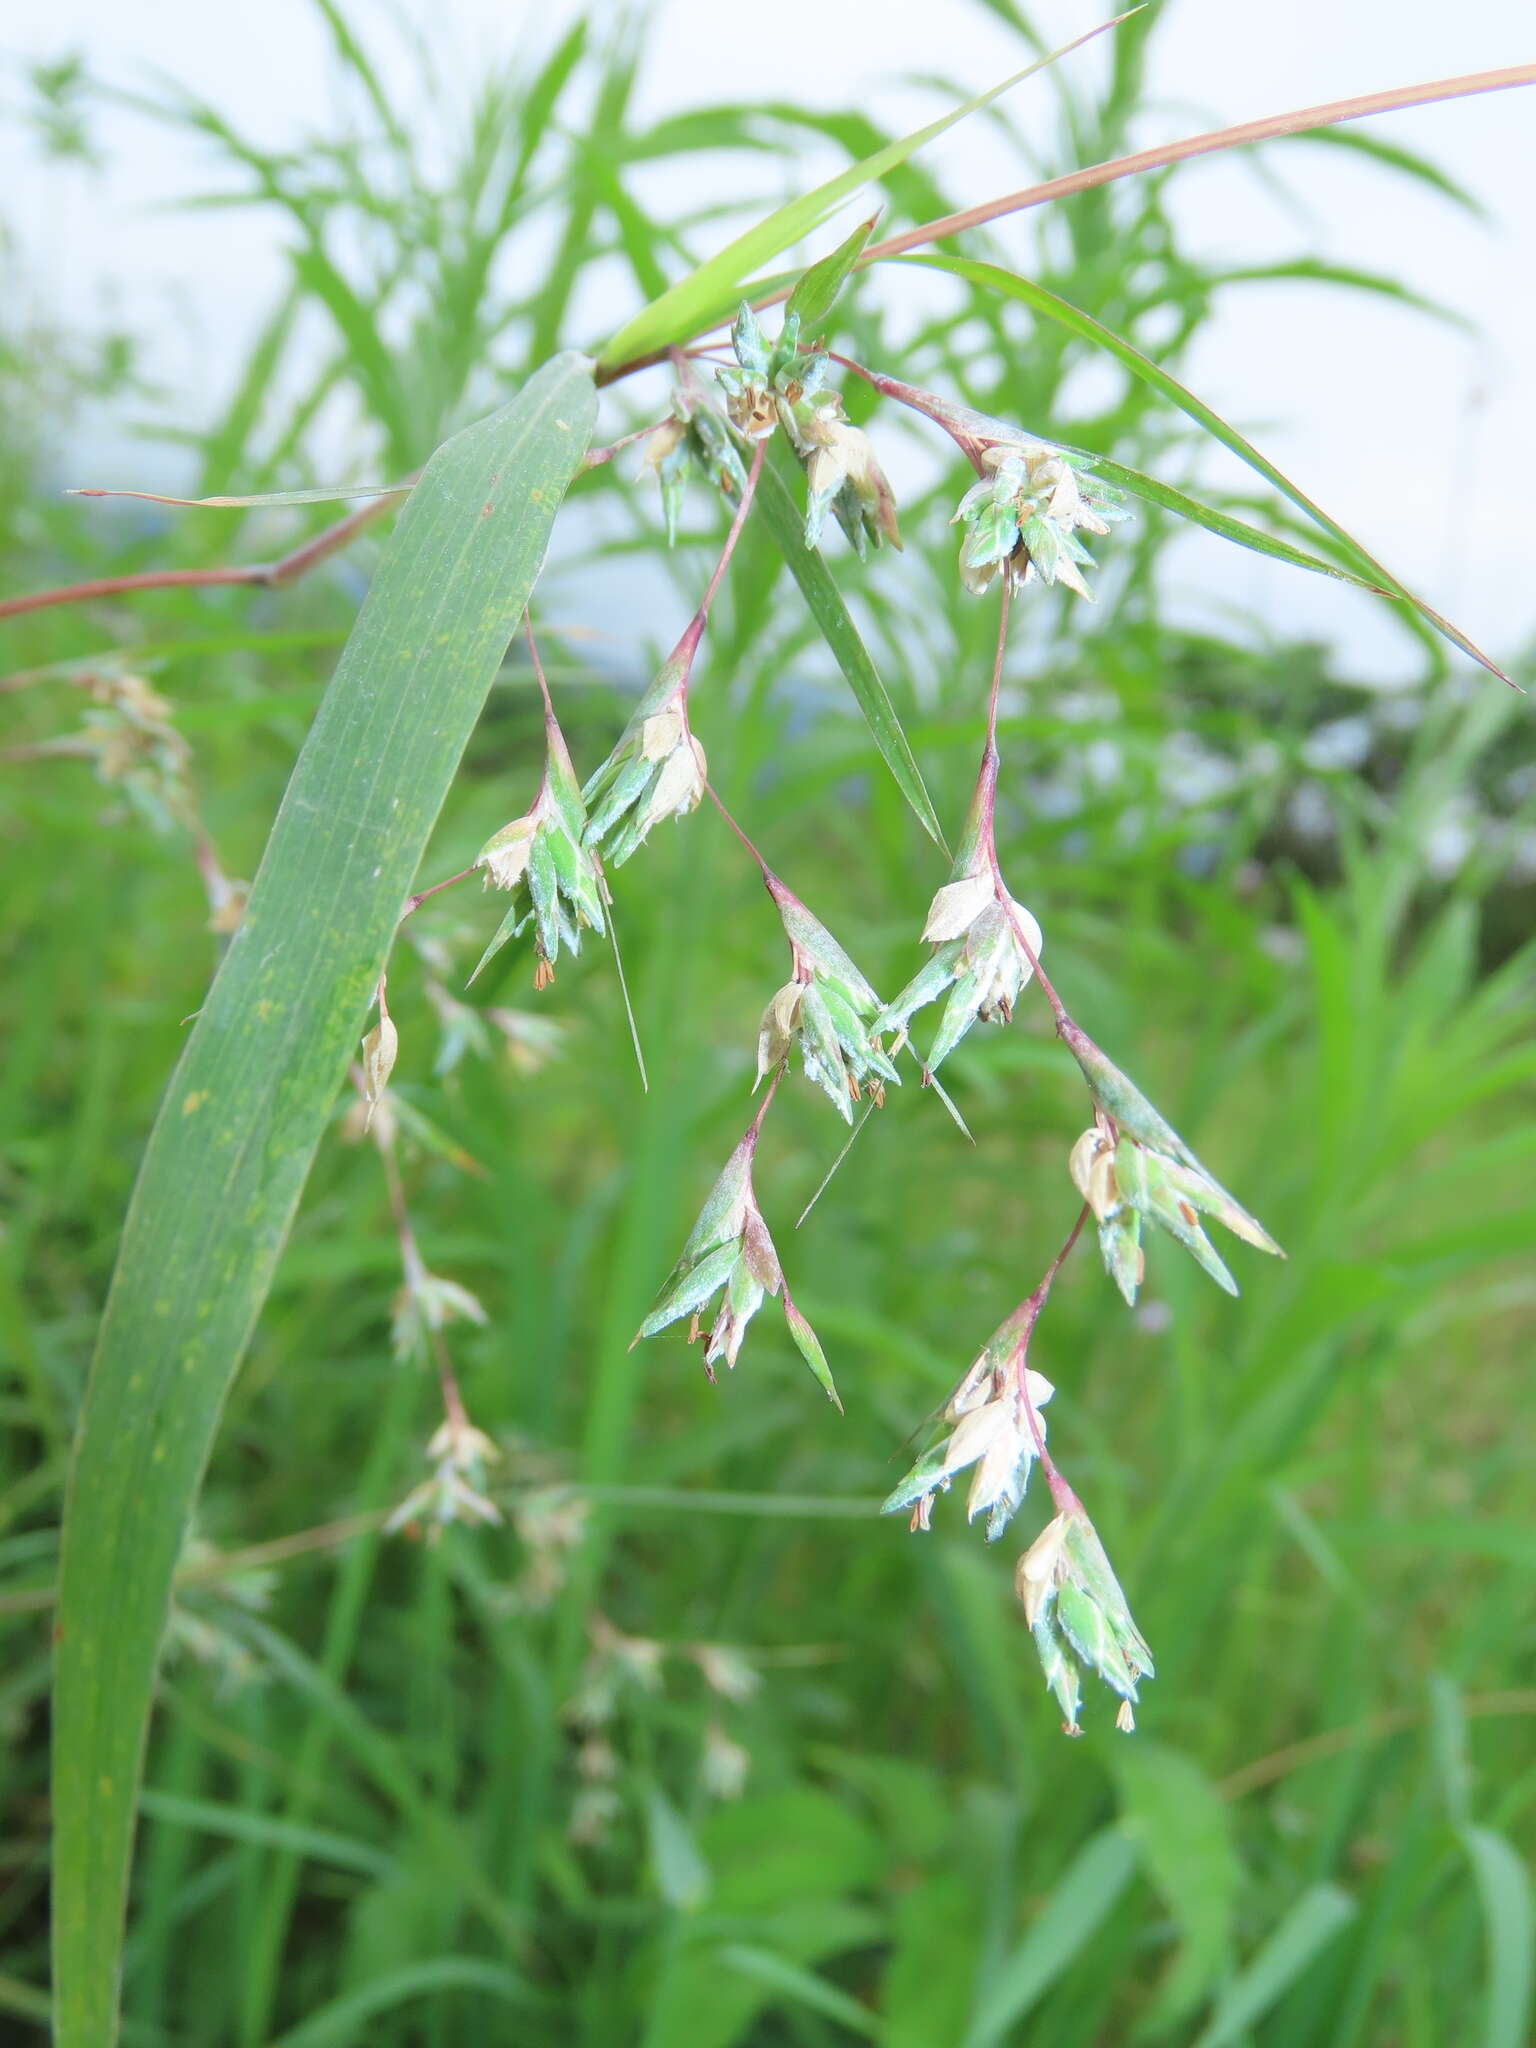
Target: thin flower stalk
x,y
657,768
986,945
458,1452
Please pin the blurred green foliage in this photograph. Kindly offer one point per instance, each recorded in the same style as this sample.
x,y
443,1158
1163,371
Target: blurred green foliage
x,y
442,1794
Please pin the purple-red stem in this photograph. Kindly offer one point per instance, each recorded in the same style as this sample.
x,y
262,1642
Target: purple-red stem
x,y
413,903
734,535
410,1259
754,1129
596,457
1029,1310
988,793
770,879
266,575
1269,129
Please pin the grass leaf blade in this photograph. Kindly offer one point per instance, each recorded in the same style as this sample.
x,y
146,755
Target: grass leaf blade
x,y
245,1110
1282,1957
1374,576
786,523
1509,1931
699,300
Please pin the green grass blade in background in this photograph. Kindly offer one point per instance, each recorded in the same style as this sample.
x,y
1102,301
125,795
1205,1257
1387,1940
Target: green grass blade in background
x,y
787,525
1046,304
1509,1932
702,299
1182,1832
1078,1905
1306,1929
246,1107
338,2023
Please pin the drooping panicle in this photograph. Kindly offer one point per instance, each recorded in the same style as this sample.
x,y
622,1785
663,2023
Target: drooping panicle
x,y
555,880
824,1013
985,1423
1133,1168
1079,1616
657,768
982,938
729,1259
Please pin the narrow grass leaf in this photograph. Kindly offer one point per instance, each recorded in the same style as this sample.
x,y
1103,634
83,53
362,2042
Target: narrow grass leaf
x,y
245,1110
1395,158
1078,1905
340,2022
700,300
1509,1932
1182,1831
990,278
235,1824
787,525
1304,1932
802,1987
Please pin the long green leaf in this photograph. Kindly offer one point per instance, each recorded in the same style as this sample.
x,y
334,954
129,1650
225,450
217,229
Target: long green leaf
x,y
700,300
342,2021
1077,1907
794,1985
1226,524
209,1817
247,1105
1182,1832
1509,1927
1309,1926
990,278
786,523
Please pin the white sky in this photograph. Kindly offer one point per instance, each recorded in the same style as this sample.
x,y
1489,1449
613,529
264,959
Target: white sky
x,y
1419,438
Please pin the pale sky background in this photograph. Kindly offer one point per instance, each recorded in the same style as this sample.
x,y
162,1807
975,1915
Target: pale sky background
x,y
1420,438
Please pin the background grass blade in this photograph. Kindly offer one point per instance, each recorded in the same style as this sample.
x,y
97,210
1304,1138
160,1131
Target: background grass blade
x,y
1077,1907
1310,1925
786,523
1047,304
247,1105
701,299
1509,1927
341,2020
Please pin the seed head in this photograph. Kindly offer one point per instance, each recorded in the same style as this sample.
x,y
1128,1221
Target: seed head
x,y
1076,1610
657,768
556,882
985,1424
1133,1168
982,940
729,1259
824,1012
